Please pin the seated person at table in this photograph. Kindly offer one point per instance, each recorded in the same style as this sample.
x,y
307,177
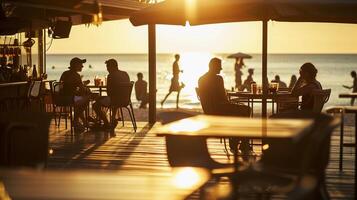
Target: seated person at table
x,y
247,82
141,90
115,78
305,85
281,83
214,98
74,87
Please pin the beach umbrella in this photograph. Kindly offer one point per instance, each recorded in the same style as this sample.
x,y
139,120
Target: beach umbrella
x,y
239,55
199,12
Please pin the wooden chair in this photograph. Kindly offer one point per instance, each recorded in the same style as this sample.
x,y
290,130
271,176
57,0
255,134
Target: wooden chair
x,y
320,98
122,99
24,139
307,161
62,105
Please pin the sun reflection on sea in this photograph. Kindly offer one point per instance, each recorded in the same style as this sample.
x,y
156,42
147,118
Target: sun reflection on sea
x,y
194,65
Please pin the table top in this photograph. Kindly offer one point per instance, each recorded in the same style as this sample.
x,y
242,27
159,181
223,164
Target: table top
x,y
124,184
13,84
251,95
222,126
96,86
347,95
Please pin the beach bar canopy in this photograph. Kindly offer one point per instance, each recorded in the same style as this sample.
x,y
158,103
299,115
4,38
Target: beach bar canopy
x,y
199,12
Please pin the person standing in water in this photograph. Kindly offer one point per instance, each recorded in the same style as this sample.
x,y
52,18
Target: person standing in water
x,y
175,85
353,87
239,64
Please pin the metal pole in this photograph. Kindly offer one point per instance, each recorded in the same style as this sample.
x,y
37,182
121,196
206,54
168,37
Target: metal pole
x,y
44,52
152,73
40,52
264,68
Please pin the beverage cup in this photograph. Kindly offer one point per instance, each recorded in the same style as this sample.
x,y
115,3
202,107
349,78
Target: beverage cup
x,y
253,87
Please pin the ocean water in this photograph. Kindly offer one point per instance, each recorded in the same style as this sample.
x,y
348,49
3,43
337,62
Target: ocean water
x,y
333,71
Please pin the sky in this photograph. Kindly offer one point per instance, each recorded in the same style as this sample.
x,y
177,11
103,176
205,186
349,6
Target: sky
x,y
122,37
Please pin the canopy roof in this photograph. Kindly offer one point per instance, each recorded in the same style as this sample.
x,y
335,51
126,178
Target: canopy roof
x,y
40,13
197,12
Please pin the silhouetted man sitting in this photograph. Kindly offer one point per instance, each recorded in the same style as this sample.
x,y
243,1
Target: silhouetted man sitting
x,y
115,78
214,99
141,90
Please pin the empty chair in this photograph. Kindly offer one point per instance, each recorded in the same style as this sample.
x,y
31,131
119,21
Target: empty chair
x,y
122,99
24,139
304,160
61,105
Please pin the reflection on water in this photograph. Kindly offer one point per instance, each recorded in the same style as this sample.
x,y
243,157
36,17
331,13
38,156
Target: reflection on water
x,y
186,178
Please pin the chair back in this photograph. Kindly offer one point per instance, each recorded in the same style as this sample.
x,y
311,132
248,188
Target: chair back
x,y
58,97
207,104
24,139
310,153
320,97
121,97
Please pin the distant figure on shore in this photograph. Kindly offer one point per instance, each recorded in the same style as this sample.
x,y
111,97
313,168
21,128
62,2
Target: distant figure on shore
x,y
353,87
175,85
141,90
305,85
115,78
249,80
214,99
293,80
281,83
239,64
74,87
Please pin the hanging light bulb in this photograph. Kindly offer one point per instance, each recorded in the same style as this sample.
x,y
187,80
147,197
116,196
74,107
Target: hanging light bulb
x,y
98,17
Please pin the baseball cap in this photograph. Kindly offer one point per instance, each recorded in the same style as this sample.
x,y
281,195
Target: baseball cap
x,y
77,60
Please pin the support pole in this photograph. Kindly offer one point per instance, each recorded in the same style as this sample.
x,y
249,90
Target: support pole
x,y
40,52
264,68
152,73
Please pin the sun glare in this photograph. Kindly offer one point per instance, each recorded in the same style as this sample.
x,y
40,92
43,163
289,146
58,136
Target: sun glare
x,y
186,178
194,65
187,125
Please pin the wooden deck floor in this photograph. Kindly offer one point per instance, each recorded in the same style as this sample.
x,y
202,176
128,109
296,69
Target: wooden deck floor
x,y
145,153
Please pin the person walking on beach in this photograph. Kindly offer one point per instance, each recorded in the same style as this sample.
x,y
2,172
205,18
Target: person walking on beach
x,y
175,85
141,90
115,78
213,97
239,64
353,87
249,80
305,85
293,80
74,87
281,83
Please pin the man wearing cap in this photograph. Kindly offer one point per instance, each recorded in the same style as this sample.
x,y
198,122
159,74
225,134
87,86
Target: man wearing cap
x,y
214,99
74,87
115,78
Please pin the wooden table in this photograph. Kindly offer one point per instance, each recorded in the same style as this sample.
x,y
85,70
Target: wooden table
x,y
225,127
348,95
124,184
100,88
207,126
257,97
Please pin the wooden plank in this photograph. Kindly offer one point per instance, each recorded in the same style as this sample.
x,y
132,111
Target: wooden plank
x,y
143,152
